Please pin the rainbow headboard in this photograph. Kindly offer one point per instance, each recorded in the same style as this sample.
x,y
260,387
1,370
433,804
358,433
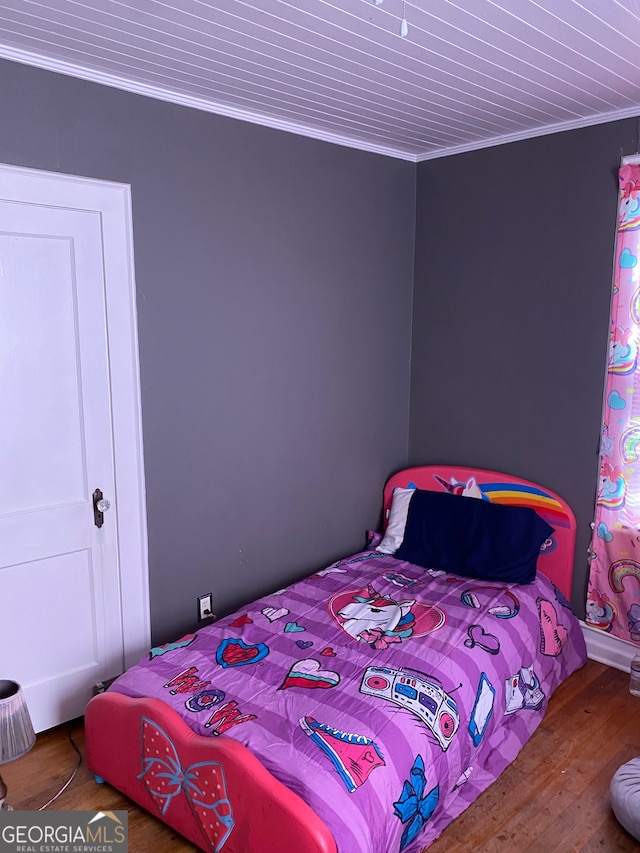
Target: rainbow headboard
x,y
556,555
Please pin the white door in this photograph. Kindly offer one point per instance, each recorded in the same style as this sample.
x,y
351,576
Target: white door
x,y
62,624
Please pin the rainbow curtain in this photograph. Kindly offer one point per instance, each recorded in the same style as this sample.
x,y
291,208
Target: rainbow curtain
x,y
613,597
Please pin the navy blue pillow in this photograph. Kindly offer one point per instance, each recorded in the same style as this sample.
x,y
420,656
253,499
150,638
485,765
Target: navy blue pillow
x,y
473,538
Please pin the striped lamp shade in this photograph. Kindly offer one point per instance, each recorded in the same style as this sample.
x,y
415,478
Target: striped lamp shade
x,y
16,729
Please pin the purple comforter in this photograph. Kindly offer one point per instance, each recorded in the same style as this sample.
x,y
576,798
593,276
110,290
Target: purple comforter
x,y
386,696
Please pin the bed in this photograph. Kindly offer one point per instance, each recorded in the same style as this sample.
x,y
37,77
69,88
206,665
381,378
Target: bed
x,y
361,709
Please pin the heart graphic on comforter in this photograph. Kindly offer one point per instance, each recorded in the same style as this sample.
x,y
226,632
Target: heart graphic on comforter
x,y
235,652
272,613
552,635
309,673
479,637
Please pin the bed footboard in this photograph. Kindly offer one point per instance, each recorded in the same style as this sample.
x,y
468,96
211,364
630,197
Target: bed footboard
x,y
212,790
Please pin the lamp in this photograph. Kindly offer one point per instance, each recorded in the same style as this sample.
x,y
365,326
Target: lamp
x,y
16,730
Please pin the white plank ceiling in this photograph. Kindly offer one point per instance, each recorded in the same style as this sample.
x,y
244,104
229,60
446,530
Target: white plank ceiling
x,y
468,74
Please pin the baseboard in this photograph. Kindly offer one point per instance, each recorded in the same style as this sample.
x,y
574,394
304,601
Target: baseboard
x,y
607,649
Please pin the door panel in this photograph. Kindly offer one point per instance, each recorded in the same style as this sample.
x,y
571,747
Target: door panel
x,y
42,591
59,574
39,348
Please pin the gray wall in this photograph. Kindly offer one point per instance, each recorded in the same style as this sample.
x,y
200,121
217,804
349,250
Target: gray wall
x,y
274,278
274,284
514,262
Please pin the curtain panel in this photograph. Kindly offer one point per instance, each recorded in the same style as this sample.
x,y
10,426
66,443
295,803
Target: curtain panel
x,y
613,597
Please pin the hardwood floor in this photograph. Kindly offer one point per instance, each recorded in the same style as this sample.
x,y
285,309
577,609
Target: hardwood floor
x,y
554,797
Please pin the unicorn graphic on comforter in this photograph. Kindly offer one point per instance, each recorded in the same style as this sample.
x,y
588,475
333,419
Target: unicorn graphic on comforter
x,y
371,617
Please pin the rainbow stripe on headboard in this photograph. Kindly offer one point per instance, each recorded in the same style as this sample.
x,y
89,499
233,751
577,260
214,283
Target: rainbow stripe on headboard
x,y
519,494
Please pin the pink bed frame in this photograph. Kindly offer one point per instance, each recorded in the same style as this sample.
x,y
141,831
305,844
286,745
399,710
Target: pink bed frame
x,y
267,816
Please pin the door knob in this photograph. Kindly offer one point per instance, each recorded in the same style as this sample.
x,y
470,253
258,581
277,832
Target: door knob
x,y
100,506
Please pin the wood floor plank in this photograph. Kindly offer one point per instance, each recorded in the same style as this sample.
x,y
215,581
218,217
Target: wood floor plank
x,y
578,822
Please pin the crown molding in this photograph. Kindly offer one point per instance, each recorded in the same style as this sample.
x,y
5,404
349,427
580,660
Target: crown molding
x,y
180,98
81,72
547,130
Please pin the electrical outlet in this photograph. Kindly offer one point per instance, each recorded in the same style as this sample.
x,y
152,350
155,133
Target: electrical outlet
x,y
205,607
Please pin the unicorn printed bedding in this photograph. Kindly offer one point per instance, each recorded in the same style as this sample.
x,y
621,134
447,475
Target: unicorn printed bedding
x,y
386,695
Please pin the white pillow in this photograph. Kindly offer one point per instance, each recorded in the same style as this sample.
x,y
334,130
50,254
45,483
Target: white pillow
x,y
394,533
